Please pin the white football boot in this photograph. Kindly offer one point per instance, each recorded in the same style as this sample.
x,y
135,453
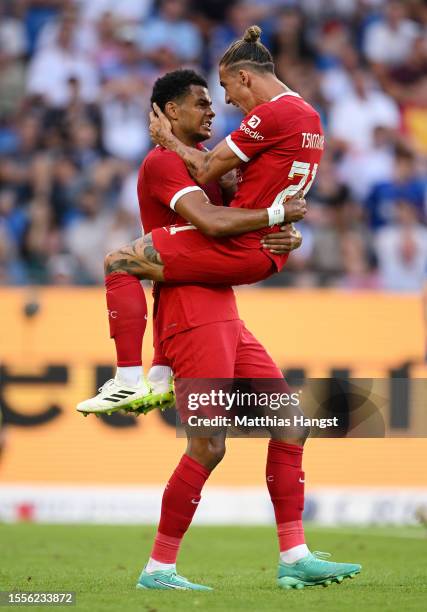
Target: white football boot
x,y
115,395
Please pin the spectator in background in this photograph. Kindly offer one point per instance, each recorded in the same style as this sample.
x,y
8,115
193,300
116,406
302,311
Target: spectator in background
x,y
41,240
358,268
291,49
21,169
335,75
128,198
52,68
389,41
12,217
81,32
66,184
171,35
96,232
107,55
127,11
404,185
124,113
401,250
362,170
353,119
13,46
129,62
11,268
85,238
39,13
61,122
414,114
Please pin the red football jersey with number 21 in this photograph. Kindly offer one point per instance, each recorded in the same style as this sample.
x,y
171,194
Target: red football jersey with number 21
x,y
280,144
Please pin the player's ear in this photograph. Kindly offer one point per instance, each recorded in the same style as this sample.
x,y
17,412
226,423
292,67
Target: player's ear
x,y
171,110
244,77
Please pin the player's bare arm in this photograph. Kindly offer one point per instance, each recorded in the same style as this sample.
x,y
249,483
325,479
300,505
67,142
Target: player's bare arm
x,y
203,166
220,221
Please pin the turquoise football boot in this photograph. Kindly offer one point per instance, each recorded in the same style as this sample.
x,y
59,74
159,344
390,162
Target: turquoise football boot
x,y
314,570
166,580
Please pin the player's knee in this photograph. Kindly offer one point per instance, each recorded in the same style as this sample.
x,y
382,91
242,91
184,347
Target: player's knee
x,y
216,451
207,451
296,435
300,434
303,433
110,262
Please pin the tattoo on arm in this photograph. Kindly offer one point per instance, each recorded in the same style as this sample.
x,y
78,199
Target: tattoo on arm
x,y
132,259
193,164
150,253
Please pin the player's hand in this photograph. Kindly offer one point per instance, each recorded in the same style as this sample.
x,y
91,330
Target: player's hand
x,y
280,243
228,180
296,208
160,127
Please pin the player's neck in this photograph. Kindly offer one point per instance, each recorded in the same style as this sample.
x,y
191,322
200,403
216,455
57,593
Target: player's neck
x,y
267,87
184,138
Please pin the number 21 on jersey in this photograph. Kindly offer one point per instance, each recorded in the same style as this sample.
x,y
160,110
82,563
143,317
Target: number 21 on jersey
x,y
307,174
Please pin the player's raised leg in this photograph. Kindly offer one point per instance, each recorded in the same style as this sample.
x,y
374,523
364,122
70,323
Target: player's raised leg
x,y
127,316
160,379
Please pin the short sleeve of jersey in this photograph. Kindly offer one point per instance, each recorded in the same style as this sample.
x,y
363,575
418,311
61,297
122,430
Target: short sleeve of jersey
x,y
168,179
257,132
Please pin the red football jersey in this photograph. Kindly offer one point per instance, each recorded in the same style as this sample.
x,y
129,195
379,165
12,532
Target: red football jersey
x,y
163,179
280,144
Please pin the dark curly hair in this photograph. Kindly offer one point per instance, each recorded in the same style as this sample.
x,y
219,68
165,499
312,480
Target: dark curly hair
x,y
175,85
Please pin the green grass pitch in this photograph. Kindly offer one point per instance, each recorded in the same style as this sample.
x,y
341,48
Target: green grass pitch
x,y
101,564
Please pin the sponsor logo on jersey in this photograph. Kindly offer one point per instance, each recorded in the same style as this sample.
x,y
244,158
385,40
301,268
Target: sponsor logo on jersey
x,y
251,133
254,121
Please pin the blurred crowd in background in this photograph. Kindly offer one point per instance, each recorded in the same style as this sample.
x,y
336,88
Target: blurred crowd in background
x,y
75,84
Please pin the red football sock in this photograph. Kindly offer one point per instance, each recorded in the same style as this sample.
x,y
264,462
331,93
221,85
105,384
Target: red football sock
x,y
159,358
285,483
127,315
180,500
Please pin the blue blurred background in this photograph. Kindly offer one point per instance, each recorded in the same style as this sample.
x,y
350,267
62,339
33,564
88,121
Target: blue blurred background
x,y
75,82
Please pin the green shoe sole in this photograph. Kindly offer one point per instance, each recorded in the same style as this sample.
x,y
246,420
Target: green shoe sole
x,y
294,583
160,401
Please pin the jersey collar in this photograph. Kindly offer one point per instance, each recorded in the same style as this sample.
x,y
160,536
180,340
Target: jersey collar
x,y
286,93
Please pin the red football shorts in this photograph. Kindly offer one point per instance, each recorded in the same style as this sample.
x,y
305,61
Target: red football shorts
x,y
224,349
221,351
189,256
